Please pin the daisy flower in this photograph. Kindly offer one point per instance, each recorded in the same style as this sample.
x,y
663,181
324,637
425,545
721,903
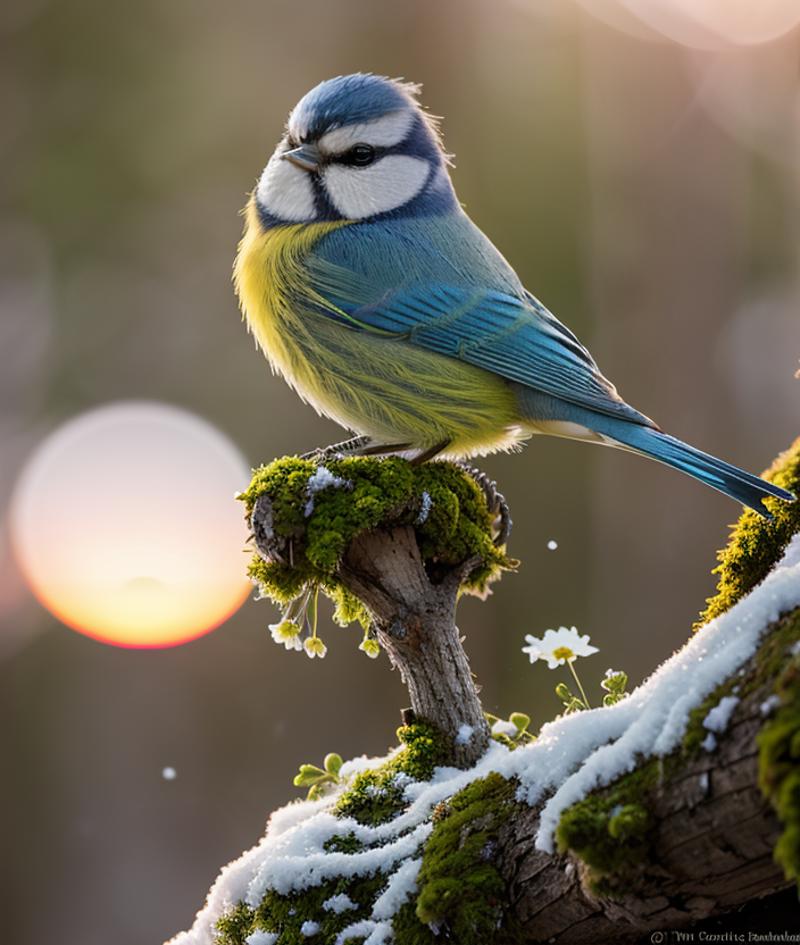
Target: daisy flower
x,y
558,646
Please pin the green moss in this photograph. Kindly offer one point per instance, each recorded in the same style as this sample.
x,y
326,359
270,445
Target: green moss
x,y
235,925
610,829
285,914
377,796
344,843
378,491
756,544
461,889
779,761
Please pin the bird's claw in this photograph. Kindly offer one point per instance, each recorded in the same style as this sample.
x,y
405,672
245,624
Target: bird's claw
x,y
496,502
335,450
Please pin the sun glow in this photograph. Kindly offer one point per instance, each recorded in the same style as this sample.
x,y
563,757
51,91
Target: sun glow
x,y
125,526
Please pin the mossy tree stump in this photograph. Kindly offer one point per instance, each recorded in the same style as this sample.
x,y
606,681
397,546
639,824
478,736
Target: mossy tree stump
x,y
394,546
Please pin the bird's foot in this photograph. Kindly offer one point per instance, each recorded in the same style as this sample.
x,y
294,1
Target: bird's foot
x,y
495,500
349,447
356,446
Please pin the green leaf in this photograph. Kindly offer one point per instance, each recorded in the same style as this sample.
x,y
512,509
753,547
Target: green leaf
x,y
333,763
520,721
563,692
308,774
574,705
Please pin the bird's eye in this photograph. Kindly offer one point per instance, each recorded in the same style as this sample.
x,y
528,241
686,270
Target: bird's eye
x,y
360,155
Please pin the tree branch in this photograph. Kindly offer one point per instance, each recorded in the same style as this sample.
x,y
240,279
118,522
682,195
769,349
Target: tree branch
x,y
711,839
415,623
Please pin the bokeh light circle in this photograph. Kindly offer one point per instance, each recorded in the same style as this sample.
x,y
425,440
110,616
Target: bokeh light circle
x,y
125,527
702,24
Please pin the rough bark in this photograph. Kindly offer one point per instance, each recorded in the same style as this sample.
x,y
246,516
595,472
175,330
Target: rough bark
x,y
415,622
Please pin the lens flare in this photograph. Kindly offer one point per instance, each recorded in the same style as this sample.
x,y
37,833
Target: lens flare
x,y
701,24
125,527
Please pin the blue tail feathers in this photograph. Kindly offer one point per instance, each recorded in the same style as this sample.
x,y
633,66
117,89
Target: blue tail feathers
x,y
742,486
649,441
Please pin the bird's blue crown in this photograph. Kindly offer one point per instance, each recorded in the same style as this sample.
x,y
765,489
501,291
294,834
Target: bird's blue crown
x,y
349,99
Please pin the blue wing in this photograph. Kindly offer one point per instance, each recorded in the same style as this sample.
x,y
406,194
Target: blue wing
x,y
408,288
439,284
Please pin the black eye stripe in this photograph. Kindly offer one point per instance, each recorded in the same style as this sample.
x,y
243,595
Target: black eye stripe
x,y
360,154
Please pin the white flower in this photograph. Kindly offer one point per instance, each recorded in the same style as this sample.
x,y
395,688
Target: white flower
x,y
534,649
371,647
315,647
286,632
558,646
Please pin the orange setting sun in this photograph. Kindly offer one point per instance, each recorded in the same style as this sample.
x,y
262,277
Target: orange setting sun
x,y
125,526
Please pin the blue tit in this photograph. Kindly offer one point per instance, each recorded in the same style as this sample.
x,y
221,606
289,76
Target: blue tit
x,y
383,305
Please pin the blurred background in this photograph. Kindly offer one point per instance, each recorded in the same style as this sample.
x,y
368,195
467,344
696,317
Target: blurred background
x,y
637,163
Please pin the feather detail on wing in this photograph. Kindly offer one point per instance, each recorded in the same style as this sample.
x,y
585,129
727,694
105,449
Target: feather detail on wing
x,y
515,338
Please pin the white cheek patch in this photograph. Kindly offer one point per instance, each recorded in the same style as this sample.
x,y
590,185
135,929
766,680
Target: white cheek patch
x,y
383,132
285,191
389,183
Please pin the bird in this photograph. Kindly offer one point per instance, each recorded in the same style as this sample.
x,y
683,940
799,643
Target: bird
x,y
386,308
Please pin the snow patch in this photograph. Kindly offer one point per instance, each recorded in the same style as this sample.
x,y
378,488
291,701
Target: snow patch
x,y
718,718
322,478
425,509
401,887
309,928
339,904
378,933
709,743
261,938
464,736
769,705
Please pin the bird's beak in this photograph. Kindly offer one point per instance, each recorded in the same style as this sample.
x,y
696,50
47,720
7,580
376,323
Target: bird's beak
x,y
306,157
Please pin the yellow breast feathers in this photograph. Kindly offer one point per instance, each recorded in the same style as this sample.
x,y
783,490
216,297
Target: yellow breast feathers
x,y
269,271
